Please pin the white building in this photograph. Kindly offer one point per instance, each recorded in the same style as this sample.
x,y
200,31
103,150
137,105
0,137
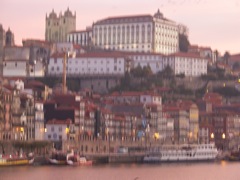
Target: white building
x,y
190,64
15,61
153,60
150,98
139,33
57,130
83,37
187,63
89,64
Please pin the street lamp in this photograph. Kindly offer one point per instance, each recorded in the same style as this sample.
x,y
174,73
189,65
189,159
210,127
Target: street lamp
x,y
223,137
212,135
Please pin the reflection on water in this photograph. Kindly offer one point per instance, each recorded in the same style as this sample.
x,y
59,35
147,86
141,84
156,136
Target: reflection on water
x,y
181,171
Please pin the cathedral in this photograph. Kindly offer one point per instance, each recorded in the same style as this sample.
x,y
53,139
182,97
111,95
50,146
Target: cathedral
x,y
57,27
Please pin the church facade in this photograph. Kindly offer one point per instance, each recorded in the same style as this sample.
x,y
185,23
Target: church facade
x,y
57,27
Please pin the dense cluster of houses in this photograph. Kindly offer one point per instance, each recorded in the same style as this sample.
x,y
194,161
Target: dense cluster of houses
x,y
32,111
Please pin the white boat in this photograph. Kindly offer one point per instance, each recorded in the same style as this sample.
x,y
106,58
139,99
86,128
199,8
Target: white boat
x,y
197,152
73,159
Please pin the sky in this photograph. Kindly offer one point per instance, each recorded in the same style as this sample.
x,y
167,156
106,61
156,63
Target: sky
x,y
212,23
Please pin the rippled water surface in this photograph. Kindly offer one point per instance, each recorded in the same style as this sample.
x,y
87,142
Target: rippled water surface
x,y
180,171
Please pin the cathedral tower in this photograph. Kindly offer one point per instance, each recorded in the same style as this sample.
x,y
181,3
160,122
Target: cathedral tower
x,y
57,27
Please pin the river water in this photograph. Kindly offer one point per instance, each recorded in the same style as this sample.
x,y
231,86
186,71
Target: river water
x,y
221,170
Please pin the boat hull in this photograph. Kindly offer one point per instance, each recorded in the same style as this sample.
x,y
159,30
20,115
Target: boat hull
x,y
16,162
195,153
57,162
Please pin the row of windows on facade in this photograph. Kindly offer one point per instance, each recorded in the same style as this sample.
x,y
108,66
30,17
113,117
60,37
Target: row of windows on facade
x,y
109,29
88,62
79,38
118,40
137,27
137,49
56,22
50,137
87,70
137,34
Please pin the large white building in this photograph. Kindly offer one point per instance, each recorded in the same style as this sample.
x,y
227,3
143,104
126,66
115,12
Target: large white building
x,y
187,63
89,64
139,33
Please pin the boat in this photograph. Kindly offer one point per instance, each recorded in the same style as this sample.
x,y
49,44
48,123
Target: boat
x,y
58,158
171,153
234,156
74,159
13,160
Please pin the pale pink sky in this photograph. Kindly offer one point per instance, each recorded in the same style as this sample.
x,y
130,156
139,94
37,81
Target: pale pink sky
x,y
214,23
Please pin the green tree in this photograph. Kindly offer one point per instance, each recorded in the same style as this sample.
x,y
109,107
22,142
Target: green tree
x,y
166,73
147,71
137,72
183,43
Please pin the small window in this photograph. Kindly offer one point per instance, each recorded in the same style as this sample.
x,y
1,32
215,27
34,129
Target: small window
x,y
49,136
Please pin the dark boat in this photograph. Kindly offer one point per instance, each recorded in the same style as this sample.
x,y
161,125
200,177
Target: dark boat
x,y
58,158
234,156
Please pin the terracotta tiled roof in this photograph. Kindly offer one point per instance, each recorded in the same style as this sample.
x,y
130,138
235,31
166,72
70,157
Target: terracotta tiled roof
x,y
127,19
101,54
80,31
182,54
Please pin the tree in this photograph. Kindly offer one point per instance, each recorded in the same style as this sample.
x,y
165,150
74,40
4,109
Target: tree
x,y
166,73
217,54
137,72
226,57
183,43
147,71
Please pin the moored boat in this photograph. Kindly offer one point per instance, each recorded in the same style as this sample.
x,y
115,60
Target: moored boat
x,y
234,156
74,159
198,152
13,160
58,158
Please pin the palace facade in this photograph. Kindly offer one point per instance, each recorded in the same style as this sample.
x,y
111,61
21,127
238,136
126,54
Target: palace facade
x,y
136,33
141,33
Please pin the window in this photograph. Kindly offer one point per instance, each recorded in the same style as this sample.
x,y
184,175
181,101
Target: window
x,y
52,129
49,136
60,137
60,129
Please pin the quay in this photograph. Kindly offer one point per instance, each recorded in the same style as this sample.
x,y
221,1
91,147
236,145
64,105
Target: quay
x,y
117,157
